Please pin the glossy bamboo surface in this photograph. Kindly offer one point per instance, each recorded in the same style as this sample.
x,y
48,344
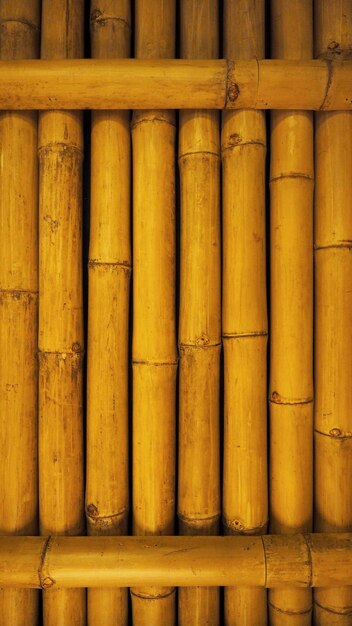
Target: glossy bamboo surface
x,y
333,331
244,312
19,39
291,337
109,268
312,560
60,148
176,84
154,333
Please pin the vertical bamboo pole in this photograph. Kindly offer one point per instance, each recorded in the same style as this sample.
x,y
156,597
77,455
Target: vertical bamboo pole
x,y
109,270
244,311
333,289
199,330
154,336
60,311
291,345
19,39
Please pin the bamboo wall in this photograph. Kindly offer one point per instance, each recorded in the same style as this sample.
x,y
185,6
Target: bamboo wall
x,y
175,313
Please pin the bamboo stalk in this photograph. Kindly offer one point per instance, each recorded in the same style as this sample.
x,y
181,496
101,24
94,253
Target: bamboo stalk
x,y
107,498
199,325
176,84
19,38
60,312
291,346
154,336
333,334
245,506
273,561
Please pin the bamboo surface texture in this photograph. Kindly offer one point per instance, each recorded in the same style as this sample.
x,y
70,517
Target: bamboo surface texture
x,y
154,335
333,303
176,84
19,38
244,313
61,487
312,560
107,487
291,336
199,321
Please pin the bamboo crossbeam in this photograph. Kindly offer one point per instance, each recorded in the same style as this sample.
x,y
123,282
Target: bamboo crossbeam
x,y
272,561
320,84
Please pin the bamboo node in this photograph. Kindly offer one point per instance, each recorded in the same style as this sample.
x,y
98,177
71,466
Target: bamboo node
x,y
47,582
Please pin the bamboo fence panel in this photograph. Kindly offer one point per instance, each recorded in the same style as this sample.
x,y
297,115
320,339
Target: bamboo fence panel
x,y
19,38
244,315
291,333
154,336
199,323
176,84
312,560
61,490
109,268
333,302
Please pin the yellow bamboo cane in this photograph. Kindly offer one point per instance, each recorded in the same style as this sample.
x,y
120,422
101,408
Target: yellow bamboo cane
x,y
199,332
60,311
244,312
176,84
273,561
107,497
333,289
154,341
19,38
291,345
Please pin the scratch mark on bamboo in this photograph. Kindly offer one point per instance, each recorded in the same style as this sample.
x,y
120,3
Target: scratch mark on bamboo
x,y
309,558
19,293
43,554
330,72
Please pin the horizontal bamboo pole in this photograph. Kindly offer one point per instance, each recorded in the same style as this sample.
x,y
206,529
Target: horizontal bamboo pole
x,y
176,84
273,561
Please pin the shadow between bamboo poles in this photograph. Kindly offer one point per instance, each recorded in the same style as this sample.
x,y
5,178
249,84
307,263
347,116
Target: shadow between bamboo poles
x,y
199,325
107,497
19,38
61,487
291,343
154,336
333,338
245,506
